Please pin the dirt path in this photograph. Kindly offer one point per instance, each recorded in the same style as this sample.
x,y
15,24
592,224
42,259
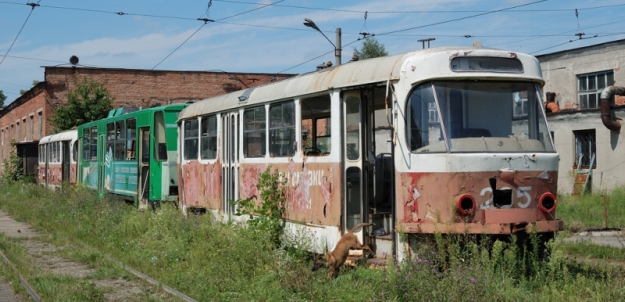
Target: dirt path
x,y
115,289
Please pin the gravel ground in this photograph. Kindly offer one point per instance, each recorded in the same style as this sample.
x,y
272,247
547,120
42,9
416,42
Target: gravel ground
x,y
43,253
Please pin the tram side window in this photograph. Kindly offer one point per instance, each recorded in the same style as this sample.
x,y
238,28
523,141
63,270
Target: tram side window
x,y
86,144
208,142
190,139
94,143
282,129
74,152
110,139
55,153
42,154
316,126
254,132
120,140
131,138
160,142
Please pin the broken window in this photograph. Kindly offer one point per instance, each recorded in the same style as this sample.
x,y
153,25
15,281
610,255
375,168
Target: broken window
x,y
585,148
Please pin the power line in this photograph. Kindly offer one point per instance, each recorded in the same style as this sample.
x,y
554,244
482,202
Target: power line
x,y
32,5
419,11
462,18
206,20
185,41
317,57
251,10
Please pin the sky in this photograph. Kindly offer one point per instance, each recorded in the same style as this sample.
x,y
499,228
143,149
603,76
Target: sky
x,y
268,36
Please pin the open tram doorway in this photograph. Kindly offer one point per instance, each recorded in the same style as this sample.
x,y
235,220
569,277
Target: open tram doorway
x,y
65,162
230,161
368,167
144,168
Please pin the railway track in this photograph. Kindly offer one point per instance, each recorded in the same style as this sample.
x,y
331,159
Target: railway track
x,y
116,289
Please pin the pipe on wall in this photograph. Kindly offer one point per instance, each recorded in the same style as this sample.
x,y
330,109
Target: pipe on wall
x,y
606,112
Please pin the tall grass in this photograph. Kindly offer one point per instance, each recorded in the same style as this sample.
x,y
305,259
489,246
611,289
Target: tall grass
x,y
587,211
212,261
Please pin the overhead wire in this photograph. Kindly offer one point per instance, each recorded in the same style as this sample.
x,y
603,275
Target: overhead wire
x,y
462,18
32,5
206,20
416,12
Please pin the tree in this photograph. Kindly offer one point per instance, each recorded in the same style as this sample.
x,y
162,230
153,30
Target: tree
x,y
89,101
35,82
371,48
2,98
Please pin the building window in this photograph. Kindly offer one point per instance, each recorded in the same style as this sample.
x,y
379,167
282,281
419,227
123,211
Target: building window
x,y
40,124
520,104
589,87
23,129
254,132
585,148
32,131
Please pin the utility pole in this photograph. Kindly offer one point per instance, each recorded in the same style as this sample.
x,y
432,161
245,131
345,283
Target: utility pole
x,y
337,51
337,46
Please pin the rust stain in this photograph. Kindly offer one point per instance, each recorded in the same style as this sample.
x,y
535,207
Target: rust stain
x,y
426,198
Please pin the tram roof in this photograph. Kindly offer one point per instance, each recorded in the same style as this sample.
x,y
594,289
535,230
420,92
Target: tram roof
x,y
61,136
375,70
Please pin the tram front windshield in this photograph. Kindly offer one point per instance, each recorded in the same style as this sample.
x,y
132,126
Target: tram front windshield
x,y
476,116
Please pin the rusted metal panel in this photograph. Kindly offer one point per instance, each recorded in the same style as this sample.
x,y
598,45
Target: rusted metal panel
x,y
201,184
479,228
313,190
430,199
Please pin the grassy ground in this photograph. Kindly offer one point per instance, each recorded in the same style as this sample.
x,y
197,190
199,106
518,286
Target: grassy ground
x,y
226,262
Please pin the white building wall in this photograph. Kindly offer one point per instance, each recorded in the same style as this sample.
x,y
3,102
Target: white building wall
x,y
610,156
560,71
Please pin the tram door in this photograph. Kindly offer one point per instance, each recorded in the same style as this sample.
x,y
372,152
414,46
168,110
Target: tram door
x,y
358,172
65,161
230,160
101,162
144,168
47,166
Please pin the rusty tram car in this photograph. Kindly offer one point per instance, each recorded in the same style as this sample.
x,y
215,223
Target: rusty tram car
x,y
449,140
58,155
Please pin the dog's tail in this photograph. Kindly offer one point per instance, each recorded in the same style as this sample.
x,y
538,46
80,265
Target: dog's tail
x,y
359,225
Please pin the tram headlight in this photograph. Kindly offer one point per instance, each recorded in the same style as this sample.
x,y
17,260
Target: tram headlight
x,y
465,204
547,202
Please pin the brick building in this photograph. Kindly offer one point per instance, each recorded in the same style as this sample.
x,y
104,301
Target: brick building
x,y
25,120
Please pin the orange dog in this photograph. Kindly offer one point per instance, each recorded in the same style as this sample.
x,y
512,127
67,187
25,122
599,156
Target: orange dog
x,y
337,257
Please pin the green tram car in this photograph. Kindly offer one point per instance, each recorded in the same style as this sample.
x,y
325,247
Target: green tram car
x,y
132,154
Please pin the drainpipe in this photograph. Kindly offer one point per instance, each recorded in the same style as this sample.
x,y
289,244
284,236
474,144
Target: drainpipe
x,y
606,113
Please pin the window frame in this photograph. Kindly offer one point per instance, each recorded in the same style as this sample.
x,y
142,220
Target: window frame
x,y
259,123
208,138
590,141
186,137
277,124
586,91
